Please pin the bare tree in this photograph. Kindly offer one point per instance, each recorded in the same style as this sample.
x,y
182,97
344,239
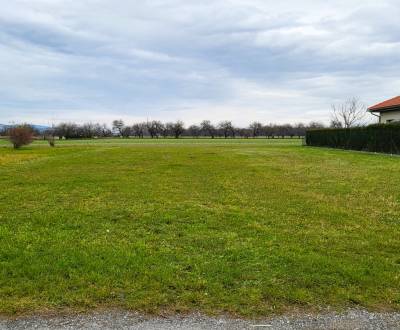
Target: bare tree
x,y
126,132
51,140
102,130
139,130
66,130
299,129
207,128
154,128
269,131
87,131
335,124
226,128
256,128
245,132
118,126
48,135
177,128
348,114
165,130
194,131
315,125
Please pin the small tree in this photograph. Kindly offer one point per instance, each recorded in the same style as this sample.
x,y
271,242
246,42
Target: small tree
x,y
139,129
299,129
126,131
177,129
20,135
154,128
48,135
66,130
226,128
207,129
256,129
194,131
269,131
104,131
245,132
335,124
50,139
349,113
315,125
118,126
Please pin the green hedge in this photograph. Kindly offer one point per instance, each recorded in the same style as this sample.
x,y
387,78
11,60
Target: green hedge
x,y
374,138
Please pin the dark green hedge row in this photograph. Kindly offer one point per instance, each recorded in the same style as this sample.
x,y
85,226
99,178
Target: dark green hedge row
x,y
374,138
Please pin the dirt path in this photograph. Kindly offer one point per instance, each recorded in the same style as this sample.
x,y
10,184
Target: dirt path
x,y
353,319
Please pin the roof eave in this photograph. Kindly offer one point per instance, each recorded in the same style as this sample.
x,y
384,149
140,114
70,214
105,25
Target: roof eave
x,y
394,108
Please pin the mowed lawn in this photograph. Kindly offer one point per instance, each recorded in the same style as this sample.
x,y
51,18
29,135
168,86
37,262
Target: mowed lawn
x,y
249,227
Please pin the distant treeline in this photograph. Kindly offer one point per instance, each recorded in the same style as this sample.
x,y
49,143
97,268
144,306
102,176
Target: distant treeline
x,y
157,129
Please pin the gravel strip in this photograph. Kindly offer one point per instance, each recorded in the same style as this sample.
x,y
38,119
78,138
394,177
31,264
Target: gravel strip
x,y
352,319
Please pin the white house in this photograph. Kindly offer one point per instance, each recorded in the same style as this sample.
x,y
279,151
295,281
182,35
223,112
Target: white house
x,y
388,111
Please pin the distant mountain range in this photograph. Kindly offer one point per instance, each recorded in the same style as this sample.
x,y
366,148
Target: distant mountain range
x,y
40,128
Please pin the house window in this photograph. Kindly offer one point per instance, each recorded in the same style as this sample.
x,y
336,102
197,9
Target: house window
x,y
389,121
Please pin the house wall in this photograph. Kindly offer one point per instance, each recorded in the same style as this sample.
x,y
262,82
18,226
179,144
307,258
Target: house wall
x,y
389,115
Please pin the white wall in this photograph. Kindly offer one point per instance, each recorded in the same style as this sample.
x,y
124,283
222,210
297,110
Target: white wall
x,y
390,115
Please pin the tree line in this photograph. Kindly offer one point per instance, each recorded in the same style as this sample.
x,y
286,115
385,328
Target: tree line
x,y
23,134
158,129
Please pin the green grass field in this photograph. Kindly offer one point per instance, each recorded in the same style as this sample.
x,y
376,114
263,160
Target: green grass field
x,y
249,227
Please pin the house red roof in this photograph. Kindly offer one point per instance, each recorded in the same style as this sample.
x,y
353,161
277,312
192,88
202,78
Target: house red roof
x,y
386,105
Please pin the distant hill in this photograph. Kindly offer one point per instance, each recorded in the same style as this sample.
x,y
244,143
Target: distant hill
x,y
40,128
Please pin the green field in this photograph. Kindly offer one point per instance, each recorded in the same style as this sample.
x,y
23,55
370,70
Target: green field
x,y
249,227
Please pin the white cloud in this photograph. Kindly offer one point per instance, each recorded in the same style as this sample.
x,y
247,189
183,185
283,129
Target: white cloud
x,y
183,59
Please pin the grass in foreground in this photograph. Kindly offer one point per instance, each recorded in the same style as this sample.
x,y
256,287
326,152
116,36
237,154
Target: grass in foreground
x,y
247,228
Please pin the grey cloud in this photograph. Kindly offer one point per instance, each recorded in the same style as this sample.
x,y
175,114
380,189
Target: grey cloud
x,y
189,60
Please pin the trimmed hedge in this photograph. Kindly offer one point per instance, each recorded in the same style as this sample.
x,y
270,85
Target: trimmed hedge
x,y
383,138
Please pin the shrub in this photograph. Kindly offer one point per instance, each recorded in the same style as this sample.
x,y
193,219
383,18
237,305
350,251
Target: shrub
x,y
20,135
383,138
51,140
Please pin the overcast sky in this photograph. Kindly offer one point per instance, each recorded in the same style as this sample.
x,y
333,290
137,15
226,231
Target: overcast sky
x,y
240,60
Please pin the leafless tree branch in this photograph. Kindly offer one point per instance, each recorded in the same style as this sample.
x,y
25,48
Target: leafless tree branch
x,y
348,114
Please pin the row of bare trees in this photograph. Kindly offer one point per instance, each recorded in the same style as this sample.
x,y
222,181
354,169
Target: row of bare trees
x,y
157,129
347,114
24,134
